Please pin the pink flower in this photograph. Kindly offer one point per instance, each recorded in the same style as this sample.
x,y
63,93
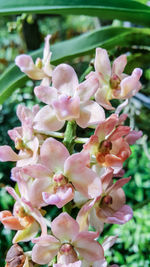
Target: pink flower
x,y
67,244
109,146
67,100
25,140
41,70
57,173
21,220
113,83
108,208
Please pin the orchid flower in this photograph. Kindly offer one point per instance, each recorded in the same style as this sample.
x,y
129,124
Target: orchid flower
x,y
109,145
41,70
25,219
66,99
108,208
25,140
113,83
59,173
68,244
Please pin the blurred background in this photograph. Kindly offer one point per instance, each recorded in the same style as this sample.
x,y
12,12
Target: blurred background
x,y
25,33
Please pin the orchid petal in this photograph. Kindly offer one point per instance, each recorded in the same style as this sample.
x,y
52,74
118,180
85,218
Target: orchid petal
x,y
119,65
102,97
46,120
45,250
90,113
66,107
121,216
88,88
102,63
65,79
106,127
109,242
7,154
53,154
26,234
87,247
37,171
62,196
133,136
46,94
131,85
84,179
64,227
10,221
26,65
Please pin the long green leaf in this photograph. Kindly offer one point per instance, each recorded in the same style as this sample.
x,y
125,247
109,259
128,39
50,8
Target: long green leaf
x,y
107,37
128,10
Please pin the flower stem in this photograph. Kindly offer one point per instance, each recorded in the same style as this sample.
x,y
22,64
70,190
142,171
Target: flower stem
x,y
69,136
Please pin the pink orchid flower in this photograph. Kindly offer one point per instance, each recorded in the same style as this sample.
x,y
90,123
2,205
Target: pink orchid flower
x,y
58,173
67,243
25,140
66,99
22,219
109,145
108,208
113,83
41,70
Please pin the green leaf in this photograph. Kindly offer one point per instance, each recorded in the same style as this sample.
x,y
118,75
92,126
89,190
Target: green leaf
x,y
128,10
107,37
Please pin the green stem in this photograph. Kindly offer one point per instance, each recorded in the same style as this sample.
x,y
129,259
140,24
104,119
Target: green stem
x,y
86,72
69,136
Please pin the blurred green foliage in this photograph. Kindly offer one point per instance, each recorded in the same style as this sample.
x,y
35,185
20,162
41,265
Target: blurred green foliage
x,y
132,247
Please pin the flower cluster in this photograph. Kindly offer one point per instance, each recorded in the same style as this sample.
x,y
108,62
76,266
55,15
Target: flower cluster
x,y
49,172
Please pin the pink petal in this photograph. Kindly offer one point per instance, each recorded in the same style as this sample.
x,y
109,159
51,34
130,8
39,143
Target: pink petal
x,y
64,227
95,221
43,253
119,132
37,171
102,99
133,136
61,197
66,107
87,247
82,217
9,221
102,63
36,189
107,178
131,85
119,65
88,88
84,179
106,127
119,183
53,154
65,79
7,154
46,120
109,242
90,113
47,57
121,216
15,133
46,94
26,65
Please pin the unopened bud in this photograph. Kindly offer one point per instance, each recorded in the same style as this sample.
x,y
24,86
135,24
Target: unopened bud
x,y
15,257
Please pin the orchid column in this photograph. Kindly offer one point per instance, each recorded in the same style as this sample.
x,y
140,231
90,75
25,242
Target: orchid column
x,y
50,172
